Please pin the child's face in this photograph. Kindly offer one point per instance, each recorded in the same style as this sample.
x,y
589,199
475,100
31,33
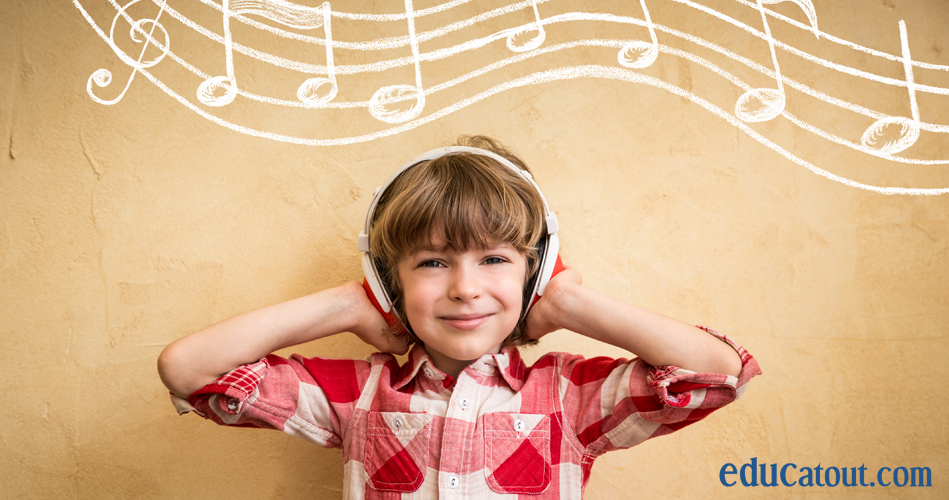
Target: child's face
x,y
462,305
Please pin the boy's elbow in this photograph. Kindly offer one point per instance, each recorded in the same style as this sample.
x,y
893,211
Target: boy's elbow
x,y
732,363
170,370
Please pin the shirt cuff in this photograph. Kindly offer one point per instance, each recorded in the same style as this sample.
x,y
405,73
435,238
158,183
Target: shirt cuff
x,y
681,388
749,366
181,404
234,388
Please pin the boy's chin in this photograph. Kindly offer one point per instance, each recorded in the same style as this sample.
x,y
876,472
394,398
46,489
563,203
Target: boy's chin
x,y
473,354
466,353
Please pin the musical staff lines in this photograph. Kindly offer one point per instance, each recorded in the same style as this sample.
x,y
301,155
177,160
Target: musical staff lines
x,y
885,138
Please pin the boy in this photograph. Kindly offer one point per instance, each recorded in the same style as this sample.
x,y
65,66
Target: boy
x,y
459,246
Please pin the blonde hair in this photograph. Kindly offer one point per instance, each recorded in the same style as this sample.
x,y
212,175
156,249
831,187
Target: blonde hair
x,y
470,200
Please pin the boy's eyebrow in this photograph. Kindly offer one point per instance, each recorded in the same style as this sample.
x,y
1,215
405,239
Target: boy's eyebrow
x,y
427,248
430,247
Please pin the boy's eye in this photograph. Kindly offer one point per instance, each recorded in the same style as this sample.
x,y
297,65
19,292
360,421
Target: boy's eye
x,y
494,260
430,263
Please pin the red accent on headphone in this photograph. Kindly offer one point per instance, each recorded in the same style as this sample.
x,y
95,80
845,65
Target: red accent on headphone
x,y
558,266
389,317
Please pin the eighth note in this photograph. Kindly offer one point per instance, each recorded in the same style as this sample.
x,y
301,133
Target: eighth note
x,y
535,41
639,54
394,94
770,102
876,136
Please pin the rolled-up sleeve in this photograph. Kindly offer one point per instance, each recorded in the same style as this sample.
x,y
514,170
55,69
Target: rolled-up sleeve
x,y
283,394
617,403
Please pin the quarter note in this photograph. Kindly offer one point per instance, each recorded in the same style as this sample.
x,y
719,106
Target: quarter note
x,y
639,54
309,91
878,137
763,104
517,40
221,90
381,101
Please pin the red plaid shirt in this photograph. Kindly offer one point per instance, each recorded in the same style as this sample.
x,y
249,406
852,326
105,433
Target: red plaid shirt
x,y
501,428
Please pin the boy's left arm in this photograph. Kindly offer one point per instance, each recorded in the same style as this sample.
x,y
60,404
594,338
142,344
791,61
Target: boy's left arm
x,y
683,373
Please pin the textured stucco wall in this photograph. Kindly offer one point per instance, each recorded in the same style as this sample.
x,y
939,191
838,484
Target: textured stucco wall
x,y
125,227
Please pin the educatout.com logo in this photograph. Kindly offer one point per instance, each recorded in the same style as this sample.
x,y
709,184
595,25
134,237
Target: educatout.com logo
x,y
753,474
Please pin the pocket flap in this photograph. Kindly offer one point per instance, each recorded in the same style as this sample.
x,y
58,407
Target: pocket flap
x,y
517,452
397,448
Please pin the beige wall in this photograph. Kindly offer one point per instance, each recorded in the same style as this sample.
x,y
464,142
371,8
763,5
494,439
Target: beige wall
x,y
125,227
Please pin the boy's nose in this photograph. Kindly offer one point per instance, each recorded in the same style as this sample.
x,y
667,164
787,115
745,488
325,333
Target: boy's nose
x,y
465,284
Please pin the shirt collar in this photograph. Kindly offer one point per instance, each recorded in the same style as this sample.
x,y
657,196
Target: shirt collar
x,y
508,363
511,366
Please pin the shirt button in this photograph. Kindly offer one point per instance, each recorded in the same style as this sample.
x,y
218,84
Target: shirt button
x,y
518,425
453,481
463,403
233,404
429,373
397,423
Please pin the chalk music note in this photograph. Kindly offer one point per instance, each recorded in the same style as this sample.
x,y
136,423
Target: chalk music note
x,y
515,38
221,90
878,136
309,91
103,77
639,54
763,104
394,94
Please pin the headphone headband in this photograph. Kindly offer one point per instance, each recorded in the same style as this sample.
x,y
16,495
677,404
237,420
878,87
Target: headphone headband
x,y
549,216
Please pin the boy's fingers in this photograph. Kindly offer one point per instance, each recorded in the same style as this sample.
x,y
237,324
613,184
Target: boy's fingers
x,y
570,274
534,328
539,320
396,344
382,338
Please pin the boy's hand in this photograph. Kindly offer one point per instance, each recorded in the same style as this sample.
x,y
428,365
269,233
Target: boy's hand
x,y
544,317
369,325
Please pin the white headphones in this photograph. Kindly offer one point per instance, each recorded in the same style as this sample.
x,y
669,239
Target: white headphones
x,y
547,248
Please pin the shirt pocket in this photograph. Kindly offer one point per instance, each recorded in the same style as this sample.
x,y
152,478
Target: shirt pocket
x,y
517,452
397,449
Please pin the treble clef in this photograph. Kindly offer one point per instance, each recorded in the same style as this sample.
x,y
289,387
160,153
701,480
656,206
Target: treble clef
x,y
103,77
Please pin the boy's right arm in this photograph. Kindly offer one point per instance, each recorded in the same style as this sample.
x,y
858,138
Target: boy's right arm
x,y
192,362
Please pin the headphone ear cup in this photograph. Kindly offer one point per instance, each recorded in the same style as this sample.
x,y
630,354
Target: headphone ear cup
x,y
530,288
390,318
558,266
548,267
374,282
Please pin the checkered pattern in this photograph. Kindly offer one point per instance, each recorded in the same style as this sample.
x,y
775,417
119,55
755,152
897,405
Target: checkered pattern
x,y
501,430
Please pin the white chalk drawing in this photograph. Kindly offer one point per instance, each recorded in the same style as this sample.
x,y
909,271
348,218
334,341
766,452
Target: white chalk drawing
x,y
518,40
221,90
103,77
877,136
400,106
638,54
763,104
394,94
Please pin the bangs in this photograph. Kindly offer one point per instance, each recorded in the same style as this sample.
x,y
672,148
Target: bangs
x,y
466,200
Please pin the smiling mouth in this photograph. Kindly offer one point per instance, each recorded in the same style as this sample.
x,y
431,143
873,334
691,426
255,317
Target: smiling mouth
x,y
466,321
